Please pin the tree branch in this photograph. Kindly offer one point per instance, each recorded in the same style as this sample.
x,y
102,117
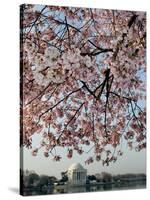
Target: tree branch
x,y
39,95
38,17
87,88
51,108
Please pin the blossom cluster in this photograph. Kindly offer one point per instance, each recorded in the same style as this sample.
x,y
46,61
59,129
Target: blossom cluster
x,y
84,81
54,67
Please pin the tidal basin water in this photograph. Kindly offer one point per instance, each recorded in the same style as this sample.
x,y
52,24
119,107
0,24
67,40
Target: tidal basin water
x,y
87,188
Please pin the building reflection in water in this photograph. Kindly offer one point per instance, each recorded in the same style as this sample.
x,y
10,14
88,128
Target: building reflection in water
x,y
88,188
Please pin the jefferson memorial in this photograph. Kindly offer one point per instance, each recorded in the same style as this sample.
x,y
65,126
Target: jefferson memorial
x,y
76,174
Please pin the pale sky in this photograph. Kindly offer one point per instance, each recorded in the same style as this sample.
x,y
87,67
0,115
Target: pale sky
x,y
130,162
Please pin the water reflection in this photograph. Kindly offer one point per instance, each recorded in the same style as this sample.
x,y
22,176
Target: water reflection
x,y
87,188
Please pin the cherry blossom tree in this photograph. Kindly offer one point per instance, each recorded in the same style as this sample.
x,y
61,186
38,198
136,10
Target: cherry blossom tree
x,y
83,81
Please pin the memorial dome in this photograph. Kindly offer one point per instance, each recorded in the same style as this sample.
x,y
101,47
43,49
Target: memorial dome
x,y
76,166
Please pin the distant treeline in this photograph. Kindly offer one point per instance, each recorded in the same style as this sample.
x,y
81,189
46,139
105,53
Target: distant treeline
x,y
31,179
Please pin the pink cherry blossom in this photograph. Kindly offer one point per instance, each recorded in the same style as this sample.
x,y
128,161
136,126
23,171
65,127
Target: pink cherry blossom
x,y
83,81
